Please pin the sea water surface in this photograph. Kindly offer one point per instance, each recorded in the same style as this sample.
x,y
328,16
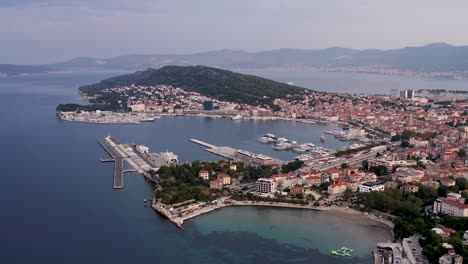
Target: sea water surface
x,y
360,83
57,203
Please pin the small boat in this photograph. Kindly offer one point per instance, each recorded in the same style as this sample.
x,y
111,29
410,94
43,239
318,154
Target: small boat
x,y
322,138
270,136
236,117
266,140
281,147
301,148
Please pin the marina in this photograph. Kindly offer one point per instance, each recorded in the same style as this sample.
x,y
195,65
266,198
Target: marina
x,y
107,117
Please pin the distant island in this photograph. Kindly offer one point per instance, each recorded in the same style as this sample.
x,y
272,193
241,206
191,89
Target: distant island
x,y
9,70
435,60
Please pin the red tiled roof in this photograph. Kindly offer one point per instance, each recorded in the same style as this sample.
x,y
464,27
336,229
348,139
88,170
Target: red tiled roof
x,y
448,230
223,175
455,203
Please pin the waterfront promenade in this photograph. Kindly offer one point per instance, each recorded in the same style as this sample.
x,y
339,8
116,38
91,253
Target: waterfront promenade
x,y
344,212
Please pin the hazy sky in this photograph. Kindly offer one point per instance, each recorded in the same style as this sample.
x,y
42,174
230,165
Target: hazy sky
x,y
45,31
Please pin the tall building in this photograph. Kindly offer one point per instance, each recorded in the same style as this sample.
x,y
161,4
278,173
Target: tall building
x,y
395,93
410,93
208,105
265,185
404,93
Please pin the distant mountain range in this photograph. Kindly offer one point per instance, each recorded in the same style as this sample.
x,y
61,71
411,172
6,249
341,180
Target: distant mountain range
x,y
435,57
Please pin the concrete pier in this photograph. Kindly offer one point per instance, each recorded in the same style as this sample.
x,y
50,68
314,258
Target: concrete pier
x,y
118,163
118,174
239,155
122,153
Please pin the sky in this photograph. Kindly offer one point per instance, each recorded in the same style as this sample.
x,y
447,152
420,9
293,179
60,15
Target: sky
x,y
48,31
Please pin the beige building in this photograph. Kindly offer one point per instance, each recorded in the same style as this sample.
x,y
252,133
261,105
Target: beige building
x,y
224,178
137,107
336,189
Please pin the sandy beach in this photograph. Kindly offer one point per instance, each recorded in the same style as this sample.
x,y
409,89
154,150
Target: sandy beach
x,y
342,212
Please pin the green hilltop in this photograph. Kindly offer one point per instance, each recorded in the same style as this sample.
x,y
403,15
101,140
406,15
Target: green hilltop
x,y
213,82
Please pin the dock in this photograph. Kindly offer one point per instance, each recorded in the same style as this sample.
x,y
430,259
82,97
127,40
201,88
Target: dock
x,y
238,155
121,154
118,160
118,174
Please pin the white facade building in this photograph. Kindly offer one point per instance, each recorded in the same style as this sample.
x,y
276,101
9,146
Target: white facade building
x,y
450,207
265,185
371,187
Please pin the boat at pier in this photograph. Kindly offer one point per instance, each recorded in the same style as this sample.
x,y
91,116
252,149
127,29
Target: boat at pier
x,y
236,117
281,146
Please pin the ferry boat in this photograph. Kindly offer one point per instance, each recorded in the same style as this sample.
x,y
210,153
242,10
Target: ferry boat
x,y
334,132
147,119
301,148
304,157
281,146
266,140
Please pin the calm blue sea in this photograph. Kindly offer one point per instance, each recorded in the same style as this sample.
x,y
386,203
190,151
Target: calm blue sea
x,y
57,203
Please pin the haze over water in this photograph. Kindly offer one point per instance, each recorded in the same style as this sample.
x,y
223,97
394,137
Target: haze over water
x,y
347,82
58,205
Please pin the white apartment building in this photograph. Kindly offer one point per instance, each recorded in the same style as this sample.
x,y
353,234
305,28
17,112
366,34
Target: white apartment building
x,y
371,187
450,207
265,185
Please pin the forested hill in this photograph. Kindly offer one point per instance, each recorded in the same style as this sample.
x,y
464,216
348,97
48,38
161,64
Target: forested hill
x,y
217,83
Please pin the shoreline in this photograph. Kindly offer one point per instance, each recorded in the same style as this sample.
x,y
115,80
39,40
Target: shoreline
x,y
272,118
342,212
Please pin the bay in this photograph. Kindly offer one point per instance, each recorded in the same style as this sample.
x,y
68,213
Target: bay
x,y
58,205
